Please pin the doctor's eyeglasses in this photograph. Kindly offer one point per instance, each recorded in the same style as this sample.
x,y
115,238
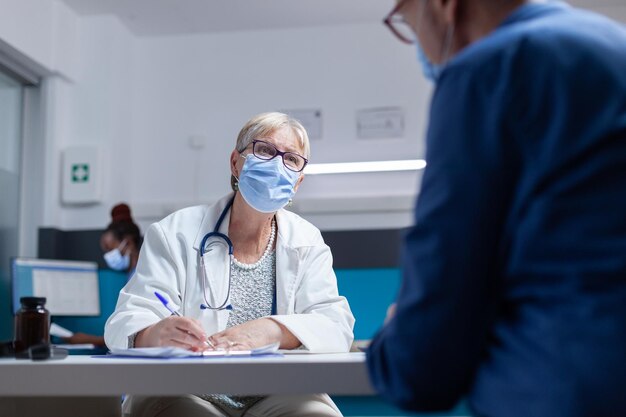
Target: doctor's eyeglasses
x,y
265,150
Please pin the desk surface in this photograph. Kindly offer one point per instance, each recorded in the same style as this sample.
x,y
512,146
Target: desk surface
x,y
342,373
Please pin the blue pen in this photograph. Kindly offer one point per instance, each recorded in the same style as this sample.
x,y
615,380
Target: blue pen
x,y
165,302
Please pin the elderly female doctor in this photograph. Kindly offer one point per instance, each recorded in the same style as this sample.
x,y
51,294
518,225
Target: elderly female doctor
x,y
278,286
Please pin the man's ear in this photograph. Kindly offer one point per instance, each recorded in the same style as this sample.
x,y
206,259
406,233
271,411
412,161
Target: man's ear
x,y
450,10
444,12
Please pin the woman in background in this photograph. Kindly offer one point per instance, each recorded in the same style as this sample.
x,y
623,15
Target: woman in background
x,y
121,241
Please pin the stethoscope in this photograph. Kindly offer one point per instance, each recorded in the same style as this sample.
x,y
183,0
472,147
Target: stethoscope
x,y
216,235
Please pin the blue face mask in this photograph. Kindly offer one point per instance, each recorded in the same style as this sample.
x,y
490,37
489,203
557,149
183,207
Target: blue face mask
x,y
116,261
431,71
267,186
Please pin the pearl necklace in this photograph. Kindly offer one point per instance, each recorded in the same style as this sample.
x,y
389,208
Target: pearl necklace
x,y
268,250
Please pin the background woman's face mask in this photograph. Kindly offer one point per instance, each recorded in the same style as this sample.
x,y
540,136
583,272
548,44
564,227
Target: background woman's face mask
x,y
115,260
267,186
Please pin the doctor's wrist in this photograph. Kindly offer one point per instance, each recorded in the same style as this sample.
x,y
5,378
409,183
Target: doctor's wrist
x,y
287,339
142,338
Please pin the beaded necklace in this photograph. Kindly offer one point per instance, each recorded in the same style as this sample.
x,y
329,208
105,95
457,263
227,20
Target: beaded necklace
x,y
268,250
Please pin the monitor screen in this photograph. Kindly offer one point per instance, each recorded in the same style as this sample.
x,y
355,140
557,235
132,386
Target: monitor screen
x,y
70,287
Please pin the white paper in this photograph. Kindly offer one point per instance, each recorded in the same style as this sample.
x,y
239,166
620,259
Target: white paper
x,y
69,293
78,346
175,352
155,352
296,352
58,331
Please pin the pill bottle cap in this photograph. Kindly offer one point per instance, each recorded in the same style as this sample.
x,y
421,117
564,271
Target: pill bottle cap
x,y
33,301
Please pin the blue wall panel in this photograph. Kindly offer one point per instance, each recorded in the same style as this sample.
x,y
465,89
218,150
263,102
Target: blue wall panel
x,y
374,406
369,292
110,283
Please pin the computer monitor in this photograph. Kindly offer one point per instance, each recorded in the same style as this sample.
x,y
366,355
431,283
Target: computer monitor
x,y
70,287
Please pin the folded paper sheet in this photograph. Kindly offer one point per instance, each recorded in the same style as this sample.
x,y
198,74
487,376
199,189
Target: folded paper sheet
x,y
175,352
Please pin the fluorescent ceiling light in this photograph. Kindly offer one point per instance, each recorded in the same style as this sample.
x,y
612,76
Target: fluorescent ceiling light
x,y
374,166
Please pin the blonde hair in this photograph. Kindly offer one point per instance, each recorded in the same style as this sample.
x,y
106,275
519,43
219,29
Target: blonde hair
x,y
263,125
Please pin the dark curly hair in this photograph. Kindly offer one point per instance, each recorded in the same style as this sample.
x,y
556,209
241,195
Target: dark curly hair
x,y
123,226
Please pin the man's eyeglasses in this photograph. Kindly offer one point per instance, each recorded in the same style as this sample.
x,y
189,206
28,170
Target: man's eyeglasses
x,y
291,160
399,26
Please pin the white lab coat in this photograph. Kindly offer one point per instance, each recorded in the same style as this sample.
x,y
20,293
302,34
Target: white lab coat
x,y
307,300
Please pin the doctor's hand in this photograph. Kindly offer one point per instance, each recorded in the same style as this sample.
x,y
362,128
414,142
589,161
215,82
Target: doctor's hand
x,y
183,332
253,334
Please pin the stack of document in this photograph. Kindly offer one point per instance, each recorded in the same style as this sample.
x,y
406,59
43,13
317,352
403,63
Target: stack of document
x,y
175,352
58,331
76,346
62,332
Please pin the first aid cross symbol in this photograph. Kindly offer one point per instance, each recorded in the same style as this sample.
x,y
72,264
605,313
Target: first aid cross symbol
x,y
80,173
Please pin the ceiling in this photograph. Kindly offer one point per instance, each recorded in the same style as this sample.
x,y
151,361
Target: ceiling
x,y
170,17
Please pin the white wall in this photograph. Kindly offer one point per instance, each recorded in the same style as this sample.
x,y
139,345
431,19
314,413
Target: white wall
x,y
41,35
139,99
211,84
44,31
90,108
84,98
615,9
100,115
27,25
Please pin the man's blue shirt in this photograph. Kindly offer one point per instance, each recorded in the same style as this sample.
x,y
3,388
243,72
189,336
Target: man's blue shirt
x,y
514,289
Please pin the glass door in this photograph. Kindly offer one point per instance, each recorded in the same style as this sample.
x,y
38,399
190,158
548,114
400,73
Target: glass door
x,y
10,155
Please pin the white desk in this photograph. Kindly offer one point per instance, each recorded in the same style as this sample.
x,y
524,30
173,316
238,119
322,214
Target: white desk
x,y
343,373
87,377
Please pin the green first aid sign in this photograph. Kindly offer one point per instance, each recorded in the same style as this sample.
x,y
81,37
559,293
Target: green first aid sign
x,y
81,176
80,173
